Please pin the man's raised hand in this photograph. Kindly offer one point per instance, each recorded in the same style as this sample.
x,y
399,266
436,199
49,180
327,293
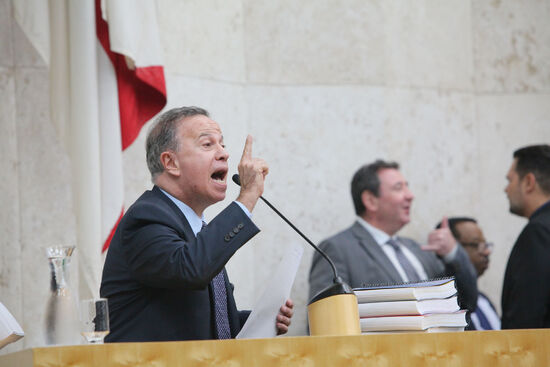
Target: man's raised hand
x,y
441,240
252,172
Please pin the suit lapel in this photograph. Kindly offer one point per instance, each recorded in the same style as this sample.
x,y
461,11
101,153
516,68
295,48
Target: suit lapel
x,y
188,234
373,249
185,227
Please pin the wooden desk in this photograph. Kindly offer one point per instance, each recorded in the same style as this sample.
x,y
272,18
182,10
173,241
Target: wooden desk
x,y
475,348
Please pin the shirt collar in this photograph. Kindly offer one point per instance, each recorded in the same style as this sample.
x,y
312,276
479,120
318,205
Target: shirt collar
x,y
194,220
379,236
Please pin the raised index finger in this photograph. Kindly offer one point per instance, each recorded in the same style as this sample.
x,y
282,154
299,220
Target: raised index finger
x,y
247,151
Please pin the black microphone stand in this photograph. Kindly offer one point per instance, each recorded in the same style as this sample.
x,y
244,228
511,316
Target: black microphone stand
x,y
338,287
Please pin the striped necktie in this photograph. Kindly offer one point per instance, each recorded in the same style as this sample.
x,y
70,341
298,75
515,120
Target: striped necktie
x,y
483,322
220,304
405,263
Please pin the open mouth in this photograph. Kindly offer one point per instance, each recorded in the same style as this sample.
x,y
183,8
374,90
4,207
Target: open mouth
x,y
219,175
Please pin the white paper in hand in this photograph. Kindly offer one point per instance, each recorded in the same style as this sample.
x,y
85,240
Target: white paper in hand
x,y
262,319
10,330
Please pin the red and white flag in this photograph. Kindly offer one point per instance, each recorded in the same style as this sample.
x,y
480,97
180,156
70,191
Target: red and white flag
x,y
132,90
106,81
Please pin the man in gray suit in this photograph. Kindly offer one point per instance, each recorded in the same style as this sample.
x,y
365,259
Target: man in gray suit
x,y
369,252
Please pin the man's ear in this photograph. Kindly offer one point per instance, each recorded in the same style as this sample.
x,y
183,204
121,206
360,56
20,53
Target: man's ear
x,y
369,201
169,162
529,182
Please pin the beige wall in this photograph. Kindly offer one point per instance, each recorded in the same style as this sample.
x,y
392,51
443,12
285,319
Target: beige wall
x,y
447,88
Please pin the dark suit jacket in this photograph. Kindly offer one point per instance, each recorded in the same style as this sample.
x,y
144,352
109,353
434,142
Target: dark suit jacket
x,y
526,288
157,274
361,261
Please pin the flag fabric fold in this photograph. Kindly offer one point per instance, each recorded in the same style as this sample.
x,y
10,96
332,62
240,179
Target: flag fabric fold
x,y
129,26
106,82
139,75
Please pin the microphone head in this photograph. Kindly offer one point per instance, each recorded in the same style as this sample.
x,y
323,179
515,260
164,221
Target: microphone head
x,y
236,179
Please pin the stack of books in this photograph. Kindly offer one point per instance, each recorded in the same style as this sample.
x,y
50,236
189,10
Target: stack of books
x,y
428,306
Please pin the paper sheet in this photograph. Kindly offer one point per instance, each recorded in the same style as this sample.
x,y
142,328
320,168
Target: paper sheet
x,y
261,321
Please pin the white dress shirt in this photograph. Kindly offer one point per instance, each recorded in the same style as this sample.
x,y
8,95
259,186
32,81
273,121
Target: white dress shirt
x,y
382,238
194,220
483,305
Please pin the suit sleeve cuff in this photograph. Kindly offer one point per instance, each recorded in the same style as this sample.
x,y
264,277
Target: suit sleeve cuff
x,y
451,255
244,208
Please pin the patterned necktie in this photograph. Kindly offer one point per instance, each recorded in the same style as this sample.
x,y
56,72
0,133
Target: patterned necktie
x,y
405,263
220,304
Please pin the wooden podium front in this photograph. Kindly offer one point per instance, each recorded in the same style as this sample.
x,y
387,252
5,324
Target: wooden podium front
x,y
472,348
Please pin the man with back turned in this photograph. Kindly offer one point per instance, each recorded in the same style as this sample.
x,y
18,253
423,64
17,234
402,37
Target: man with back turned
x,y
164,274
526,288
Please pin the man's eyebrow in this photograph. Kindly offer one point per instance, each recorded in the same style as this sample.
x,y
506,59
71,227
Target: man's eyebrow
x,y
207,133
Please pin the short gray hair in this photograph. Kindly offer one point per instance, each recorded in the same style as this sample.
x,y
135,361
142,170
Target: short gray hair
x,y
162,136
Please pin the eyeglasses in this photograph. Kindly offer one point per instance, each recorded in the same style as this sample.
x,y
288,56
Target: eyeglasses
x,y
481,246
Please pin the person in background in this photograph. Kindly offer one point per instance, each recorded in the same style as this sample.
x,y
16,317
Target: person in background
x,y
526,288
370,252
470,236
164,274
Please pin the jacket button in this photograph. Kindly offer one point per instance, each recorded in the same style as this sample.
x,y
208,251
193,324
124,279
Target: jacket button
x,y
227,238
231,234
240,226
236,230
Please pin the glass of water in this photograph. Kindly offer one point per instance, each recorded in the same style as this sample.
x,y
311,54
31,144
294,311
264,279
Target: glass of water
x,y
94,319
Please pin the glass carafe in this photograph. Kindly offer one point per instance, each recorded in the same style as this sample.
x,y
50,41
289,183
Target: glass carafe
x,y
61,312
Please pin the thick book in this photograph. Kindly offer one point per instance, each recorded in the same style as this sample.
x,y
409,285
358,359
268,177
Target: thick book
x,y
442,329
429,289
10,330
394,308
420,322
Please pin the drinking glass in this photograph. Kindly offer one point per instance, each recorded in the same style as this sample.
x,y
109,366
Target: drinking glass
x,y
94,319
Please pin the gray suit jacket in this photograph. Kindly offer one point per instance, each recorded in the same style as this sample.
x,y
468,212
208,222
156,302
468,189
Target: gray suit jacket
x,y
361,261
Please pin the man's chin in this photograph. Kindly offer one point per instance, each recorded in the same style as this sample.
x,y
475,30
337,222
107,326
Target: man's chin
x,y
219,197
516,210
481,268
215,196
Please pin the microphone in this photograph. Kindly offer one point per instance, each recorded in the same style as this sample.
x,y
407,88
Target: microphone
x,y
336,278
334,310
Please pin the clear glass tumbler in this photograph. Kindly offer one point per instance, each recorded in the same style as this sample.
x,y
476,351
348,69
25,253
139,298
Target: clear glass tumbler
x,y
94,319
